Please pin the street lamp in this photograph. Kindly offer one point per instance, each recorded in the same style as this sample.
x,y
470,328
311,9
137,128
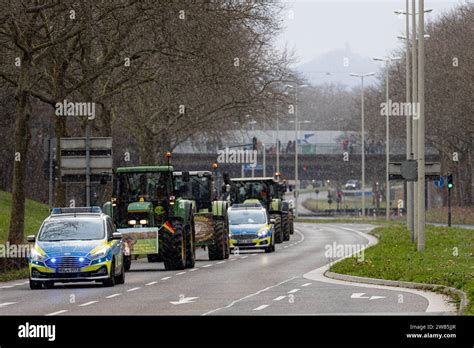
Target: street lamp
x,y
296,143
362,76
387,61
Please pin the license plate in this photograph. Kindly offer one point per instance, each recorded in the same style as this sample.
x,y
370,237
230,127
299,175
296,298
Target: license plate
x,y
245,241
68,270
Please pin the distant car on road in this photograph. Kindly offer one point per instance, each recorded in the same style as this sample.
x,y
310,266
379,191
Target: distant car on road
x,y
250,228
352,185
76,245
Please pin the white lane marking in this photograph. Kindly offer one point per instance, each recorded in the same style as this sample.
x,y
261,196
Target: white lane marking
x,y
249,296
151,283
26,282
306,284
221,262
193,269
17,284
6,287
180,273
113,295
436,303
291,244
184,300
88,303
259,308
279,298
243,257
205,266
133,289
7,304
293,291
58,312
253,255
286,246
232,259
165,278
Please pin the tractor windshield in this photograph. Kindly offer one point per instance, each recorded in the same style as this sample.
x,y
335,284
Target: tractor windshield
x,y
253,189
198,188
151,186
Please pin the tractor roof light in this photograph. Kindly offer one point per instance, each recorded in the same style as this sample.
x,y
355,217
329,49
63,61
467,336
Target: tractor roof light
x,y
168,154
215,166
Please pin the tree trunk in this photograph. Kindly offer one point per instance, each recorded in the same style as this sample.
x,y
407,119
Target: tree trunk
x,y
22,137
60,192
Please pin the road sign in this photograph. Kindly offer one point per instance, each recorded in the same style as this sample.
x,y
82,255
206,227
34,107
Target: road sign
x,y
440,182
405,171
74,159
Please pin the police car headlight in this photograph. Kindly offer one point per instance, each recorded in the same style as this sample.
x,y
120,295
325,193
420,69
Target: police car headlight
x,y
262,233
102,252
36,255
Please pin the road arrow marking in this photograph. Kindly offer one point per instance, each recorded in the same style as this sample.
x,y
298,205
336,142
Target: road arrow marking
x,y
361,295
376,297
184,300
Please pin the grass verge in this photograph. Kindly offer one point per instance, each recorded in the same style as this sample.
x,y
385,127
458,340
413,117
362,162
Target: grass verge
x,y
35,213
396,258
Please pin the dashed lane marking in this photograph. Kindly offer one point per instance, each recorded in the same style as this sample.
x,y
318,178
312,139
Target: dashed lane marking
x,y
293,291
151,283
88,303
133,289
113,295
56,313
279,298
259,308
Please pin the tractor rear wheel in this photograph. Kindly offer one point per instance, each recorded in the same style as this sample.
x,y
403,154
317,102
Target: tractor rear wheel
x,y
127,263
277,228
217,249
174,248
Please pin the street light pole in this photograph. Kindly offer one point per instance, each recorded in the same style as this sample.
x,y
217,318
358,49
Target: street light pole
x,y
362,134
387,61
421,128
278,147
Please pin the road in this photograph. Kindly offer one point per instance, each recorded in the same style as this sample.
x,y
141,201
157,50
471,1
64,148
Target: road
x,y
288,281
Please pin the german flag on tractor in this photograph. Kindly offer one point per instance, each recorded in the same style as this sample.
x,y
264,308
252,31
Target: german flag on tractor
x,y
167,225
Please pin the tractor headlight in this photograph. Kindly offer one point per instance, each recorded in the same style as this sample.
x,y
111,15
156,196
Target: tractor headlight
x,y
102,252
36,255
143,222
132,222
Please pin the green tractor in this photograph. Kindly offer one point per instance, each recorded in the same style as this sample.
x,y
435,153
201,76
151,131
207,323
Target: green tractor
x,y
270,194
210,214
153,220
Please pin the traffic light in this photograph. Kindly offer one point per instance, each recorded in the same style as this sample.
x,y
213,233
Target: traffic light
x,y
450,182
254,143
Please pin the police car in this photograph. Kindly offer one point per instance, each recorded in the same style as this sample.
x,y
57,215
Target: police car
x,y
76,245
250,228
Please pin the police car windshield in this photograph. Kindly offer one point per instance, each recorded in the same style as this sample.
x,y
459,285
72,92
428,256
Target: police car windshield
x,y
244,217
72,229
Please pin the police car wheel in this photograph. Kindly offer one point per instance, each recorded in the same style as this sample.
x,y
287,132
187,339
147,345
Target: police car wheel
x,y
120,279
35,285
111,280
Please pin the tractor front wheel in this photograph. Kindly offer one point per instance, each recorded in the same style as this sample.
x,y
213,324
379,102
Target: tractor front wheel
x,y
217,250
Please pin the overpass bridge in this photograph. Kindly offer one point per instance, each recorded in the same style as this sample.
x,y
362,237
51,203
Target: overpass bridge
x,y
310,166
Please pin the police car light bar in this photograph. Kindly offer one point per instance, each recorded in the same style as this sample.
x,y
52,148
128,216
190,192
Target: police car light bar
x,y
78,210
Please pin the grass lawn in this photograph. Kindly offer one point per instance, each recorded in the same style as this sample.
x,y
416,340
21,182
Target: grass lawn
x,y
35,213
396,258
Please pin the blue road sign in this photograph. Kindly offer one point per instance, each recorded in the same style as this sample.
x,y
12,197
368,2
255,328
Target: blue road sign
x,y
440,182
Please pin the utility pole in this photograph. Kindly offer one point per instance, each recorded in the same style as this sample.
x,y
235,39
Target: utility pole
x,y
409,120
421,127
414,98
88,165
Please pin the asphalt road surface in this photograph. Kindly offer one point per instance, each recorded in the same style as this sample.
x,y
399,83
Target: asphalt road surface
x,y
287,282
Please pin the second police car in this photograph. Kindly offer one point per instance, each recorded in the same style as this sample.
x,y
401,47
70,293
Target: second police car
x,y
76,245
250,227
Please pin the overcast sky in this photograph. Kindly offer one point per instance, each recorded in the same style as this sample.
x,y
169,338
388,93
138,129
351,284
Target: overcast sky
x,y
370,28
